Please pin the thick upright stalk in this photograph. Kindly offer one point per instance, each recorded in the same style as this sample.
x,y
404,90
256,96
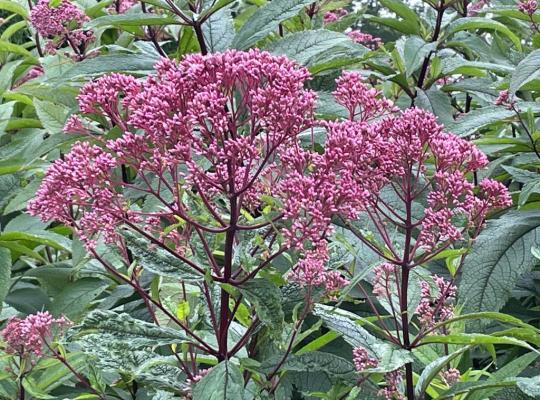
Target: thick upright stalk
x,y
227,274
434,38
200,37
405,271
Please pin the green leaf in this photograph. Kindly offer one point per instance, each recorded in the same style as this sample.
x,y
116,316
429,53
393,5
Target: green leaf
x,y
436,102
510,370
414,50
266,20
109,327
52,116
16,49
469,23
5,273
468,387
223,382
527,70
12,6
158,260
401,9
500,255
135,63
390,358
490,315
218,30
530,386
475,339
76,297
6,110
319,50
130,20
266,298
473,121
433,369
333,366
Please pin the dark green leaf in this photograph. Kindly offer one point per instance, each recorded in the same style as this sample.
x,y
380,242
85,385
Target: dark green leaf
x,y
223,382
266,20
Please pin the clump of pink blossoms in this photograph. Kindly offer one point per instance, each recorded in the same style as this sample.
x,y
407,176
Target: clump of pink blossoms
x,y
528,6
451,376
433,309
366,39
60,24
224,126
28,337
362,359
334,15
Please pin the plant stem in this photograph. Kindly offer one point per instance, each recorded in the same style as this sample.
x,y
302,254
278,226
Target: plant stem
x,y
434,38
227,274
200,37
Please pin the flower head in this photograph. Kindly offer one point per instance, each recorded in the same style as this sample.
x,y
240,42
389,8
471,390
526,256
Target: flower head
x,y
60,24
28,336
366,39
528,6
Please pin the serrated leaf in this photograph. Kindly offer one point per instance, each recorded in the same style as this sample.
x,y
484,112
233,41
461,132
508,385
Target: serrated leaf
x,y
500,255
218,30
471,122
158,260
134,63
223,382
109,326
527,70
319,50
335,367
52,116
390,358
529,386
266,20
468,23
76,297
266,299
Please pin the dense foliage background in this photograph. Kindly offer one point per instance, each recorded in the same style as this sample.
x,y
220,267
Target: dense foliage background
x,y
473,64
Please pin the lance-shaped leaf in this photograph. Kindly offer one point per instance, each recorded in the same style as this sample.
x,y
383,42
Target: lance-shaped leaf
x,y
158,260
113,327
432,369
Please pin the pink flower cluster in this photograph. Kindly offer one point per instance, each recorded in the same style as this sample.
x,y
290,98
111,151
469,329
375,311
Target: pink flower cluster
x,y
27,336
362,359
391,390
416,137
121,6
60,24
366,39
476,6
81,183
433,309
451,376
384,273
361,100
504,99
528,6
335,15
226,126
